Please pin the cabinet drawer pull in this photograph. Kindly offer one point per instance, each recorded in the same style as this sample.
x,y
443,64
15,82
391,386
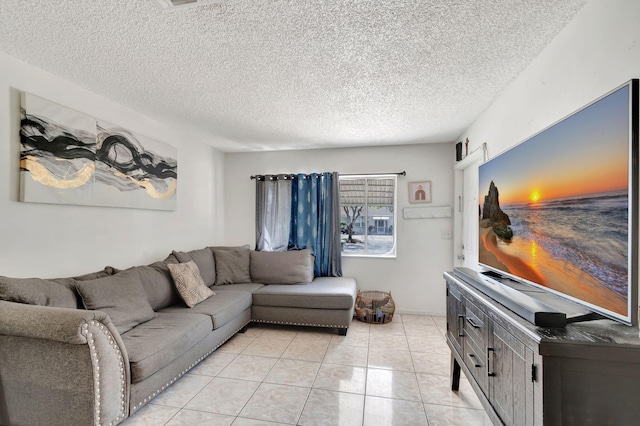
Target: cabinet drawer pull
x,y
460,325
474,360
490,372
472,323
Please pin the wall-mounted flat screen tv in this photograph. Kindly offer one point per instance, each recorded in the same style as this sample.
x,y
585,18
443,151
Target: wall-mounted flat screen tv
x,y
560,209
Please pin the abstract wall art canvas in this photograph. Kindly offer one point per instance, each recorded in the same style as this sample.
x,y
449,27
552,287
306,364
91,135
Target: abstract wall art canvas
x,y
68,157
134,171
57,153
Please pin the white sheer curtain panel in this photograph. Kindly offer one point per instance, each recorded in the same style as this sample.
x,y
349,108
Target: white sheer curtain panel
x,y
273,213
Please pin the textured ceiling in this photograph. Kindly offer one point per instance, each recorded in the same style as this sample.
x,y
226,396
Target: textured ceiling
x,y
264,75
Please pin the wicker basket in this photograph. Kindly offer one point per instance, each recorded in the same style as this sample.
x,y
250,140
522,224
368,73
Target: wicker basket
x,y
375,307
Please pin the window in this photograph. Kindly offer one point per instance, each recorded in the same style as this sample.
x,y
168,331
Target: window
x,y
367,215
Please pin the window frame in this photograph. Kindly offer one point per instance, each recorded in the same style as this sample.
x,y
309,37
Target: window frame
x,y
393,252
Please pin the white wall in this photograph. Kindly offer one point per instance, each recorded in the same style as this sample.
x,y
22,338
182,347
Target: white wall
x,y
598,51
60,240
415,276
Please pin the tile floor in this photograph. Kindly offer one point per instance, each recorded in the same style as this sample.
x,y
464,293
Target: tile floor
x,y
390,374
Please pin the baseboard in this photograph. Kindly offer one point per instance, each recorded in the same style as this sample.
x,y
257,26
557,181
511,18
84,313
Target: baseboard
x,y
412,312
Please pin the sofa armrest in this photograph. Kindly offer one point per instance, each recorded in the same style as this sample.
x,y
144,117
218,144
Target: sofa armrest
x,y
61,366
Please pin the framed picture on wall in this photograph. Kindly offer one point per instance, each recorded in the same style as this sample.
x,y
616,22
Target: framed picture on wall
x,y
420,192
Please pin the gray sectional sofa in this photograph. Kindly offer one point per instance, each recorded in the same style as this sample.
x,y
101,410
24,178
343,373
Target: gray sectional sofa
x,y
94,349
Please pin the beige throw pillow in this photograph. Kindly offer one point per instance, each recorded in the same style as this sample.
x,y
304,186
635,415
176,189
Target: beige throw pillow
x,y
189,283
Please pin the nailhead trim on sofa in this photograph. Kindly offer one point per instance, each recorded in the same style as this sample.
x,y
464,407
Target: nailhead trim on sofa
x,y
149,398
298,323
96,370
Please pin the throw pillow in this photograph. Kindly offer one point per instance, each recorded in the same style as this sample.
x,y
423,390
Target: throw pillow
x,y
282,267
232,266
107,271
171,259
121,296
158,285
189,283
36,291
181,256
244,247
204,260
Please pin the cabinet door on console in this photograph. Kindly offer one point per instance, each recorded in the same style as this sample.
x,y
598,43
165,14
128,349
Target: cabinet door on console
x,y
510,377
455,318
475,343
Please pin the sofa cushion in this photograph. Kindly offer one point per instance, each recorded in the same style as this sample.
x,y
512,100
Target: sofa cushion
x,y
121,296
250,287
107,271
222,308
156,343
281,267
189,283
181,256
36,291
204,259
321,293
232,265
158,284
171,259
244,247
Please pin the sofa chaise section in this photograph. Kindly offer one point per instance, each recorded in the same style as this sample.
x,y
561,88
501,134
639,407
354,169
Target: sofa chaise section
x,y
324,302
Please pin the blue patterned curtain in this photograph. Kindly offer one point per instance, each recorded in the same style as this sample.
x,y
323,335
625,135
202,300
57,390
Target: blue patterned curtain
x,y
315,220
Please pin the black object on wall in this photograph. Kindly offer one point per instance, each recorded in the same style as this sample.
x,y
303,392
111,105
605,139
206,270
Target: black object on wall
x,y
459,151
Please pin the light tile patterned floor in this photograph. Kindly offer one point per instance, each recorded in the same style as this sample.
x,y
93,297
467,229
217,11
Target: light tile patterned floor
x,y
390,374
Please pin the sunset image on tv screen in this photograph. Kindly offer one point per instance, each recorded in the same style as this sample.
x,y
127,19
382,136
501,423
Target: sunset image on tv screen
x,y
554,210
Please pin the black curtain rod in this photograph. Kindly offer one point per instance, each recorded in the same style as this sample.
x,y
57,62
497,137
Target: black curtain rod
x,y
293,175
402,173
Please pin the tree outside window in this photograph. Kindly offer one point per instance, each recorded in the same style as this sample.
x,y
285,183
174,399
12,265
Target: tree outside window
x,y
368,220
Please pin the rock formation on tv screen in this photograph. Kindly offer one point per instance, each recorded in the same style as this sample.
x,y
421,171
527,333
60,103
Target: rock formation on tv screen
x,y
498,220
